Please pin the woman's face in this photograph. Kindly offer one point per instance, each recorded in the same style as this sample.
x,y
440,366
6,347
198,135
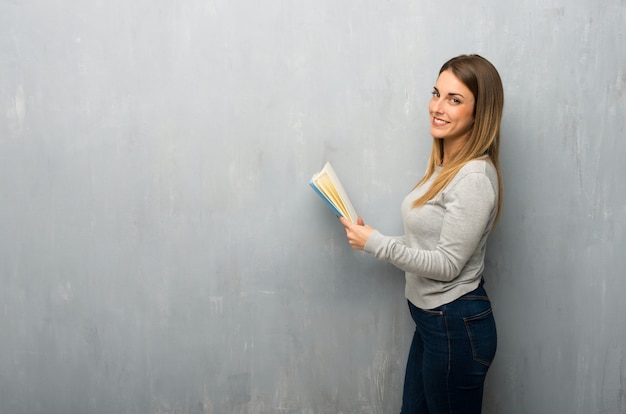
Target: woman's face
x,y
451,108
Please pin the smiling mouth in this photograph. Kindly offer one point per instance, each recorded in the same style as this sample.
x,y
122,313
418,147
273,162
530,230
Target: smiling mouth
x,y
439,122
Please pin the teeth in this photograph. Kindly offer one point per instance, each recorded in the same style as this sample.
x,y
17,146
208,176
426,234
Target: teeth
x,y
439,121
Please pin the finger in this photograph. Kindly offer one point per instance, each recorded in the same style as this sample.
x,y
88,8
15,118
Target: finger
x,y
346,223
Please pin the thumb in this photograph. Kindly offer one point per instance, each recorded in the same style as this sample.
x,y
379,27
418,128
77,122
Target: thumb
x,y
360,221
344,221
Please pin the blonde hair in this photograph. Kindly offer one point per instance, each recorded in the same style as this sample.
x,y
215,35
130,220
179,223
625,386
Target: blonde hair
x,y
483,80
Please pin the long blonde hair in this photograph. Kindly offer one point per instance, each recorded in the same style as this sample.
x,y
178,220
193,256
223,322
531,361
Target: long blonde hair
x,y
483,80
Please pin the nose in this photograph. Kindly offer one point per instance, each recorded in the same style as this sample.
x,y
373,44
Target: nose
x,y
435,105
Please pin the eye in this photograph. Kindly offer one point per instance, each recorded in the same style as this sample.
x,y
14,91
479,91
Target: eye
x,y
435,94
455,101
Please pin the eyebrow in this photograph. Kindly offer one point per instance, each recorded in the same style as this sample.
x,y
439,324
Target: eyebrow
x,y
450,94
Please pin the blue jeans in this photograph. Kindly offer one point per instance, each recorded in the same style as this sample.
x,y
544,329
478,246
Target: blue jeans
x,y
453,346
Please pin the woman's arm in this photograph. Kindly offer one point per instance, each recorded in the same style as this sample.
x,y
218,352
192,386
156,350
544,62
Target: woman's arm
x,y
469,210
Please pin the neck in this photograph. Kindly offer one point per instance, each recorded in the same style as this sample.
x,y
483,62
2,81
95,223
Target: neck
x,y
451,147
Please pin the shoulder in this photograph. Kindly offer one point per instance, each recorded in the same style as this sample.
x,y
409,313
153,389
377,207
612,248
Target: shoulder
x,y
477,170
478,165
481,166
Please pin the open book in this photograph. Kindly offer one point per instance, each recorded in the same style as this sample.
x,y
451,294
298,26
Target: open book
x,y
327,185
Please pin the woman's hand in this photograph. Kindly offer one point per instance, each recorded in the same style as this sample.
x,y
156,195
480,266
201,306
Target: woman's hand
x,y
357,234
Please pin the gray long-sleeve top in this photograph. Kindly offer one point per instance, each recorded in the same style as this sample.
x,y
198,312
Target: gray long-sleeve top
x,y
443,249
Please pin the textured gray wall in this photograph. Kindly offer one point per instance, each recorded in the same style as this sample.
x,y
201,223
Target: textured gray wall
x,y
161,252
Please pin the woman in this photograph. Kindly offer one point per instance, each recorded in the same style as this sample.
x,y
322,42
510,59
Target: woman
x,y
447,219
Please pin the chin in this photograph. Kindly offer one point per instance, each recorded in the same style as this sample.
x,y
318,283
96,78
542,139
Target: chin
x,y
438,134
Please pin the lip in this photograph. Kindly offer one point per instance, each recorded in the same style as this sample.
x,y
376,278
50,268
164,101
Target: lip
x,y
438,122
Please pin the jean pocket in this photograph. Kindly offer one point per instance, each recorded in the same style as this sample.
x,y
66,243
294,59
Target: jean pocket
x,y
481,330
431,312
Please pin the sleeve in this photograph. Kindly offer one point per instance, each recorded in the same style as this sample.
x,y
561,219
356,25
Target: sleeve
x,y
469,207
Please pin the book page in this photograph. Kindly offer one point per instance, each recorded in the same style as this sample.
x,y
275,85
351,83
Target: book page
x,y
328,185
